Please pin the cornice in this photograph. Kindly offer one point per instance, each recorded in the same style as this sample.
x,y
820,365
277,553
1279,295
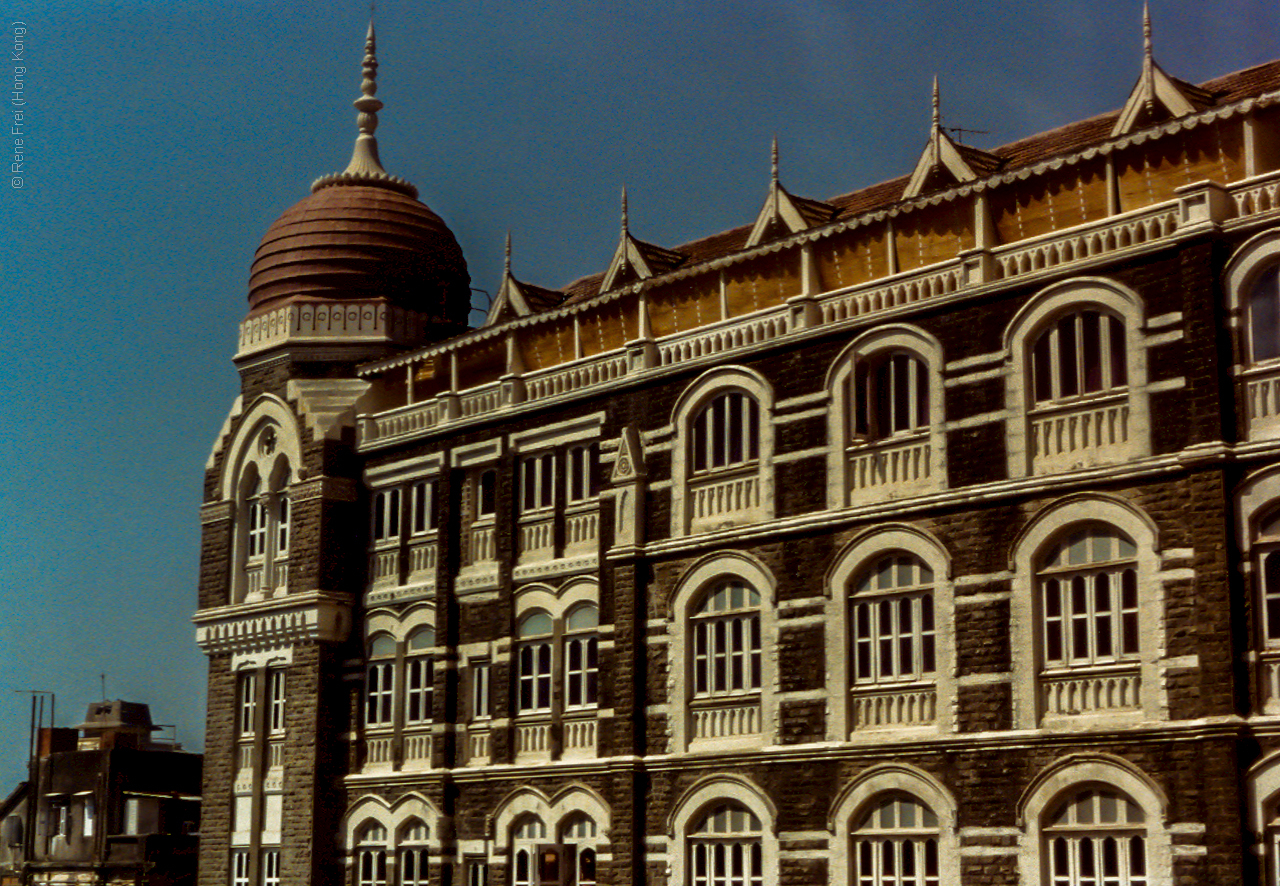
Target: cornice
x,y
315,616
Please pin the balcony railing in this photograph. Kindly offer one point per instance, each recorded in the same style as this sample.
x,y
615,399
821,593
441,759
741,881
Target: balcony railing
x,y
377,752
1087,693
483,547
717,497
582,529
477,746
533,740
417,750
888,468
580,736
386,567
712,719
877,707
1083,434
422,558
537,535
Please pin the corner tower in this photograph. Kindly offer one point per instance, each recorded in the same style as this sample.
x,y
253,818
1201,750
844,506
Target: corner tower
x,y
357,270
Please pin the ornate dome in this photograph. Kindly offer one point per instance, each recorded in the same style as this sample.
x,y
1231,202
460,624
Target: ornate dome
x,y
361,241
361,235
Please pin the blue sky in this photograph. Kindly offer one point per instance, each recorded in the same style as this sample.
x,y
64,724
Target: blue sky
x,y
163,138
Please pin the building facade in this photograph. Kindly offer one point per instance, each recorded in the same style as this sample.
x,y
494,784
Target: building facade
x,y
925,535
106,805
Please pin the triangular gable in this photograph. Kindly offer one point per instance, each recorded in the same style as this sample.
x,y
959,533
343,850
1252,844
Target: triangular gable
x,y
636,260
1157,90
508,304
792,214
942,155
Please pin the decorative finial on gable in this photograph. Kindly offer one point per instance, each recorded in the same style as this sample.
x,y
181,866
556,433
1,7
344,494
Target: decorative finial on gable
x,y
1146,34
625,227
506,261
774,162
935,124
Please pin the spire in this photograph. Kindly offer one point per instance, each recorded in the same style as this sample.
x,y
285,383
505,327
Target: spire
x,y
506,261
625,227
365,167
1146,35
935,126
1156,94
774,159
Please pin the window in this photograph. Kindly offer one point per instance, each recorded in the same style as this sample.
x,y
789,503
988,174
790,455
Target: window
x,y
282,525
1267,541
275,699
1264,316
725,848
60,819
386,515
580,653
423,507
534,668
256,510
537,482
480,704
477,872
525,837
1081,353
893,621
380,681
413,854
90,815
486,493
271,867
890,396
726,641
371,856
896,844
1096,837
726,433
1089,599
239,867
419,677
248,703
581,479
578,854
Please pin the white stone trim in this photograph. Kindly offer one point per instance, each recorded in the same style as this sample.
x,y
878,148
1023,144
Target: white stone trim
x,y
393,817
399,624
855,556
485,452
702,794
574,430
419,467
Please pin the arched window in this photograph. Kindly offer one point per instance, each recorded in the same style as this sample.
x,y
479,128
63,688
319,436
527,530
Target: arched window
x,y
895,843
581,650
889,396
724,848
725,433
419,683
413,853
380,681
264,514
533,673
1264,316
1096,836
256,518
726,641
1267,550
371,855
892,621
1089,599
1083,352
578,837
526,836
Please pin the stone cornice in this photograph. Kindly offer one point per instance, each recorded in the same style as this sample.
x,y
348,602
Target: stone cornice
x,y
216,512
271,624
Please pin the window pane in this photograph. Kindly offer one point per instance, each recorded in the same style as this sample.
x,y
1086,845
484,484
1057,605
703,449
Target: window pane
x,y
1119,354
1067,352
1040,369
1264,316
1091,350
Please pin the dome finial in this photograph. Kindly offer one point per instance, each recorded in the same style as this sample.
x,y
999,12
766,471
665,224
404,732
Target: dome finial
x,y
365,167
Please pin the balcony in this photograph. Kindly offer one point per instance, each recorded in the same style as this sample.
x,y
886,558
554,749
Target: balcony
x,y
579,735
715,720
1065,437
889,468
533,741
720,499
377,753
885,707
417,750
477,745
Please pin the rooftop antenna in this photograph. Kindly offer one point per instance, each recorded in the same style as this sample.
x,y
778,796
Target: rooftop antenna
x,y
103,678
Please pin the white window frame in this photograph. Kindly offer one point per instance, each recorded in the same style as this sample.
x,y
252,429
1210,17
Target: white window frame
x,y
239,867
481,673
881,852
247,703
270,867
535,667
581,661
276,700
712,436
419,689
387,516
380,687
580,473
689,811
893,628
1060,359
727,643
424,515
1093,604
538,483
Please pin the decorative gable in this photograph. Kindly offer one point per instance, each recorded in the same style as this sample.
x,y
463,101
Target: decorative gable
x,y
1156,95
516,299
944,162
636,260
784,214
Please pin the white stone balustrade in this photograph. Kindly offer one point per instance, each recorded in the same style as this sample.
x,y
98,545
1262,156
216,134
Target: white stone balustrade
x,y
275,755
1086,693
482,543
480,401
377,752
477,746
1087,241
282,573
386,566
882,296
725,720
580,736
724,336
880,706
886,468
417,750
714,497
574,376
537,535
1262,400
422,557
253,574
1092,432
582,530
533,739
1257,195
402,422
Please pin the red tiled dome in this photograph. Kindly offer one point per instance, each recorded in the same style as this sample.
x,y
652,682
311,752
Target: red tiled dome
x,y
354,241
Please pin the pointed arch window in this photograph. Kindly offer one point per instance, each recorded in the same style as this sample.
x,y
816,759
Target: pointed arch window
x,y
371,855
578,851
526,837
724,848
895,843
1096,837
